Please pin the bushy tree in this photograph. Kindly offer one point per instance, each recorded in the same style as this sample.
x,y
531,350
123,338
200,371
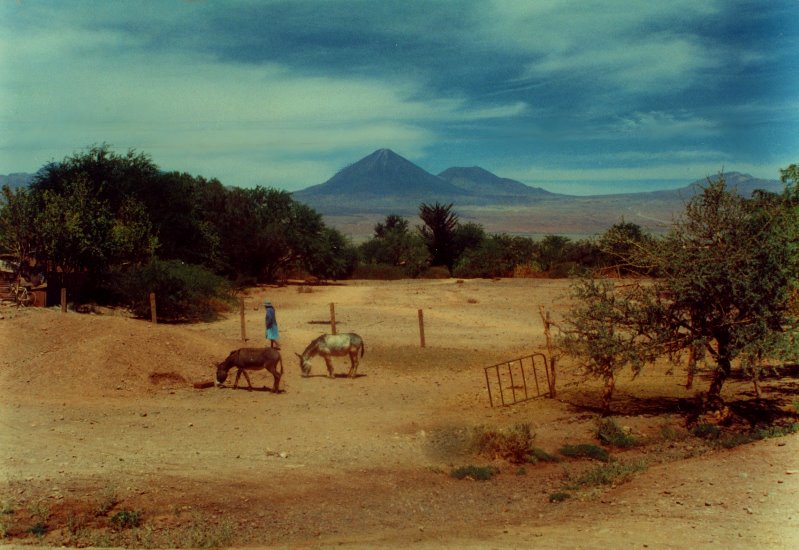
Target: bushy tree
x,y
726,284
393,244
18,234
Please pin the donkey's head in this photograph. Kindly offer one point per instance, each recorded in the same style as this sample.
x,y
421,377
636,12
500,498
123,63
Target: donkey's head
x,y
305,365
221,373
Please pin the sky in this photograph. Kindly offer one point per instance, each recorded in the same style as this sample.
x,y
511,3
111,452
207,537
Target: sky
x,y
577,97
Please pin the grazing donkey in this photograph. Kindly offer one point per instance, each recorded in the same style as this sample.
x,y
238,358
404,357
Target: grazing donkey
x,y
328,345
245,359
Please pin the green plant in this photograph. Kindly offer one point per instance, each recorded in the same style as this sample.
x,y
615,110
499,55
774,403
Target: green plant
x,y
125,519
706,431
559,496
514,444
585,450
182,291
477,473
39,529
538,454
106,501
611,472
610,433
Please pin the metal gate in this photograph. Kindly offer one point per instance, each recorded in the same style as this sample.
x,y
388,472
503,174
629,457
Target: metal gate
x,y
509,379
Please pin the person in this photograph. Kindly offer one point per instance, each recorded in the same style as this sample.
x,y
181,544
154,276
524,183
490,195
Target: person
x,y
272,333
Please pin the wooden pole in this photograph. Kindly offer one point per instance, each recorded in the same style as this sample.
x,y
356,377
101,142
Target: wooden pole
x,y
421,328
243,322
332,317
152,308
551,366
63,300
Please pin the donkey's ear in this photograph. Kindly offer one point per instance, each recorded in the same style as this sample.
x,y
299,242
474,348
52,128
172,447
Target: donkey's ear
x,y
298,355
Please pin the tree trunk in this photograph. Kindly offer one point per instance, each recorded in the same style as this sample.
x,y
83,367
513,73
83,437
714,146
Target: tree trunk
x,y
607,394
722,372
689,382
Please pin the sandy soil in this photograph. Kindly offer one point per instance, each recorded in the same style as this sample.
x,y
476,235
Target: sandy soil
x,y
101,425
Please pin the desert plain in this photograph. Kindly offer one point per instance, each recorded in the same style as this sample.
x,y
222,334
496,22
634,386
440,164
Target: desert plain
x,y
106,441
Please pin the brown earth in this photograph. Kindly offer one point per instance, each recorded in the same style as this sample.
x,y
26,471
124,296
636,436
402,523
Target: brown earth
x,y
101,427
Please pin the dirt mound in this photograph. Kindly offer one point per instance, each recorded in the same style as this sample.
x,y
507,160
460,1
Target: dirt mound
x,y
102,355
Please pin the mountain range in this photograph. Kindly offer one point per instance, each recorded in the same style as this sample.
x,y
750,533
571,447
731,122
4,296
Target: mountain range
x,y
382,183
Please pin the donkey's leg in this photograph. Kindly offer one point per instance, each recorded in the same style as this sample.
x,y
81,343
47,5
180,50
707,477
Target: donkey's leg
x,y
247,376
329,364
353,363
238,375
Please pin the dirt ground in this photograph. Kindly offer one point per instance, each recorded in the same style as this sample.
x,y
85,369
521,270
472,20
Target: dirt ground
x,y
105,441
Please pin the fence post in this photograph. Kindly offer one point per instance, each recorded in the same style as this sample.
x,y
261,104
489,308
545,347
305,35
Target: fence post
x,y
152,308
421,328
332,317
243,322
63,300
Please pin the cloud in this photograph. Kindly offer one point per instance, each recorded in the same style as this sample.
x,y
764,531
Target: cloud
x,y
222,119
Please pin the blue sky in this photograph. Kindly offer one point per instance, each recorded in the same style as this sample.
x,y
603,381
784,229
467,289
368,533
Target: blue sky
x,y
577,97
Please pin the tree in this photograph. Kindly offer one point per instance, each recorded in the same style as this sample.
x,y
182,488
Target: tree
x,y
605,332
726,281
394,244
438,232
18,235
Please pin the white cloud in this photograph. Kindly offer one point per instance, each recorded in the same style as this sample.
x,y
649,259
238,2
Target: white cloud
x,y
237,122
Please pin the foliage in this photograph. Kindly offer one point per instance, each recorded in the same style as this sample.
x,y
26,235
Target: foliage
x,y
559,496
125,519
585,450
605,331
183,291
477,473
610,433
514,444
395,245
17,228
438,233
726,284
609,473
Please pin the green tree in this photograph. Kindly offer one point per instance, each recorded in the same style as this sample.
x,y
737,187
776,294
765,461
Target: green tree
x,y
726,280
394,244
18,234
438,233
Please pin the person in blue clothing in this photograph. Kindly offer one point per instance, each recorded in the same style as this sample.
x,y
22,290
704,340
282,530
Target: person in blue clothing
x,y
272,333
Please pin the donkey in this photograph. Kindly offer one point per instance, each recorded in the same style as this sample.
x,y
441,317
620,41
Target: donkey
x,y
328,345
245,359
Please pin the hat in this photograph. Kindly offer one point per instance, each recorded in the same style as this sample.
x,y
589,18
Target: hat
x,y
267,303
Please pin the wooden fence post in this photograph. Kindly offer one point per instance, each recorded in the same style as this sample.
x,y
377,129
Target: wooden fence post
x,y
421,328
63,300
547,320
333,317
243,322
152,308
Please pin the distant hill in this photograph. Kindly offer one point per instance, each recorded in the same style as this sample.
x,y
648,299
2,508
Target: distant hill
x,y
380,179
19,179
384,182
480,182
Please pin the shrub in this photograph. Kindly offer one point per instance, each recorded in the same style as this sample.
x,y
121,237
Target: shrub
x,y
585,450
706,431
477,473
514,445
183,291
610,433
560,496
125,519
610,473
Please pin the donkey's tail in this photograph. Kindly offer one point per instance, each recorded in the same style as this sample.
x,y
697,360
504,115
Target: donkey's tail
x,y
363,348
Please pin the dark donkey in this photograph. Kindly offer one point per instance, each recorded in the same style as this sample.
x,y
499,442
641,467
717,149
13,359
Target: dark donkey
x,y
245,359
